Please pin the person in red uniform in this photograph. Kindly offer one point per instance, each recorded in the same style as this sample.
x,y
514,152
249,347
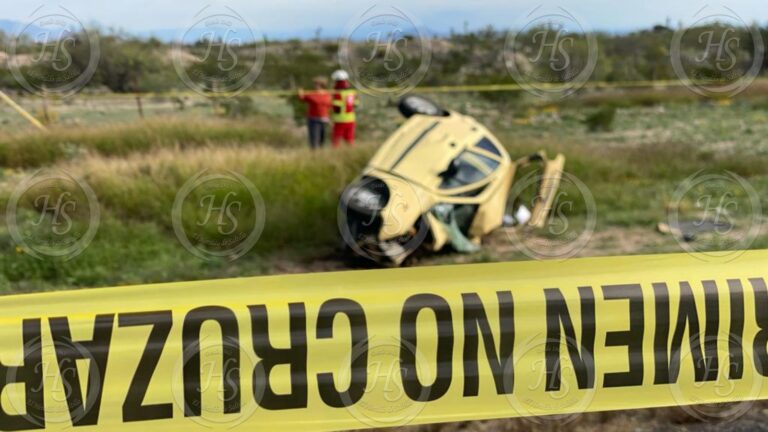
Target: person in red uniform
x,y
343,115
318,107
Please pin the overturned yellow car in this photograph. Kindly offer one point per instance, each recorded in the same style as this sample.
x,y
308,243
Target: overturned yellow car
x,y
441,179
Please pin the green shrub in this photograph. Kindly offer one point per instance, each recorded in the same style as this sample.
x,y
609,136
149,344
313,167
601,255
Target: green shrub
x,y
601,120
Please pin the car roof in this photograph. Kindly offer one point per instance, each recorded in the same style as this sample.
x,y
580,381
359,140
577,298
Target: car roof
x,y
424,146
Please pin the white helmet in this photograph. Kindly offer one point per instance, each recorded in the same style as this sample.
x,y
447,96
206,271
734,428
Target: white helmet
x,y
340,75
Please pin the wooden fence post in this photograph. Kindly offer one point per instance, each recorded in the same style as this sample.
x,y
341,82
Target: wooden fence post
x,y
140,106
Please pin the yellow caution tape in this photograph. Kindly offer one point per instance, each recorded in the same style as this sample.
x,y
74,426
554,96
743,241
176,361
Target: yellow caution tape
x,y
388,347
480,88
29,117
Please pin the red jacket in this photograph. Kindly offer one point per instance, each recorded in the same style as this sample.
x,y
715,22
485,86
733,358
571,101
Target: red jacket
x,y
319,104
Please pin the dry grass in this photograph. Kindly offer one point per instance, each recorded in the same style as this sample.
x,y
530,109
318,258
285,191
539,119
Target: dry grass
x,y
136,241
136,187
300,189
31,149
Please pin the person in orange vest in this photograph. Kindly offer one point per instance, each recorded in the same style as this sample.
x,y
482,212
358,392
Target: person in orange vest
x,y
343,113
318,105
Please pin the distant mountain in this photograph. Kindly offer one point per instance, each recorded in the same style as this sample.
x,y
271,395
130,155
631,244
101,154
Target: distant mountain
x,y
12,28
172,35
9,27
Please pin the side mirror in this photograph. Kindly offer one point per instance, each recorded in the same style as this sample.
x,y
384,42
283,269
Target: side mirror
x,y
412,105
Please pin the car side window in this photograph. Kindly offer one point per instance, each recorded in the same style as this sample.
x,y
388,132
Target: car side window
x,y
488,146
466,169
492,164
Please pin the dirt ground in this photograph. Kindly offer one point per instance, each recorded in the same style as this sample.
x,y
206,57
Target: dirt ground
x,y
498,247
742,417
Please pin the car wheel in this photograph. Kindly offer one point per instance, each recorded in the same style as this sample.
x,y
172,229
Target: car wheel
x,y
412,105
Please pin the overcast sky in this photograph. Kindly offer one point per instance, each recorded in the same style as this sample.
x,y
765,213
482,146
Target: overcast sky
x,y
299,16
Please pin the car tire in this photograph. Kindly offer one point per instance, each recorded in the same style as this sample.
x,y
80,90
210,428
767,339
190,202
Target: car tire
x,y
412,105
